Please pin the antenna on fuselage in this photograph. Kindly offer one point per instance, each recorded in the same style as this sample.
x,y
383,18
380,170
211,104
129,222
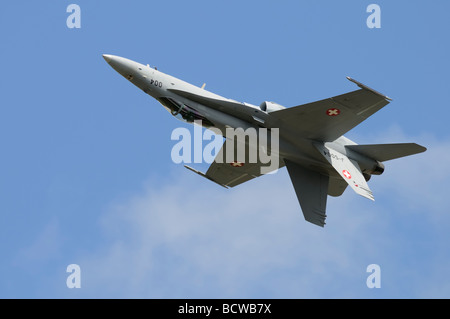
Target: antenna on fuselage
x,y
203,86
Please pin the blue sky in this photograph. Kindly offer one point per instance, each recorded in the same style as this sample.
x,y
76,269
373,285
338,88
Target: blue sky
x,y
86,175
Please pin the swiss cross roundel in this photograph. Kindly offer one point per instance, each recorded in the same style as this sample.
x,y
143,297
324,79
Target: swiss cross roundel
x,y
237,164
333,112
346,174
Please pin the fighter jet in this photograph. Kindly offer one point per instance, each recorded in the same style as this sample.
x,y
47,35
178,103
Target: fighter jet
x,y
319,159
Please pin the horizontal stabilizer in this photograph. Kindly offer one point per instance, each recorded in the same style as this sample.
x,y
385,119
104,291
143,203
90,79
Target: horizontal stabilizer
x,y
348,169
386,152
336,186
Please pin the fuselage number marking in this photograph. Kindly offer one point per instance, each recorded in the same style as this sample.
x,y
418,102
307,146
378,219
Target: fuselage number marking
x,y
156,83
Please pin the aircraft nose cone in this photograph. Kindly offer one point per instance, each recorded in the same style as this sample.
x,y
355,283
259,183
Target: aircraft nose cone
x,y
125,67
107,57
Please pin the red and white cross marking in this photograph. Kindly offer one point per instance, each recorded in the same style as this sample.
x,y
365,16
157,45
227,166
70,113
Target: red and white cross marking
x,y
237,164
346,174
333,112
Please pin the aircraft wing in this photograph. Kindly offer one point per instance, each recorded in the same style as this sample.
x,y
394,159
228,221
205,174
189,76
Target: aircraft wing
x,y
328,119
230,173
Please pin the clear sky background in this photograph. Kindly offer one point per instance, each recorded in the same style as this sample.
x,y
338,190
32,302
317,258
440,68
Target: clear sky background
x,y
86,175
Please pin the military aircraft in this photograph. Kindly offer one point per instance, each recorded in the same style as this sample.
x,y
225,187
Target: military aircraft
x,y
319,159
